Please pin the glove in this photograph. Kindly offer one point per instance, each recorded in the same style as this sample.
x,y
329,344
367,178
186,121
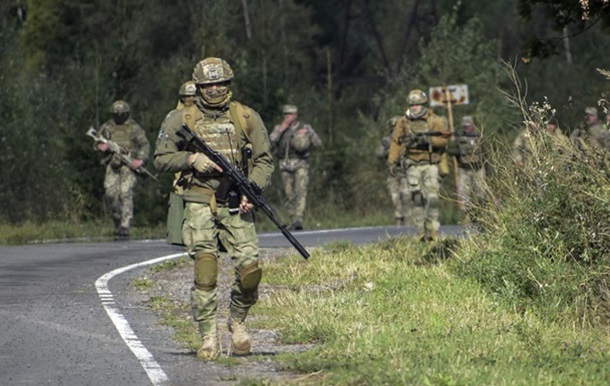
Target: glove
x,y
201,163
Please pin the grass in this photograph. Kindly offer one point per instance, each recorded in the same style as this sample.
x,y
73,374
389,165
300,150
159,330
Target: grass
x,y
31,232
396,313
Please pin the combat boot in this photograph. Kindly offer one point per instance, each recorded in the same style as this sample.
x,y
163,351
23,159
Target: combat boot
x,y
240,340
209,348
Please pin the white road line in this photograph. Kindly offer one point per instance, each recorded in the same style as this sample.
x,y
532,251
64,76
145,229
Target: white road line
x,y
153,370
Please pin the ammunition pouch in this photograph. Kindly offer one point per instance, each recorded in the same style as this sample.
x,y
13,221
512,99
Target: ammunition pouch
x,y
206,271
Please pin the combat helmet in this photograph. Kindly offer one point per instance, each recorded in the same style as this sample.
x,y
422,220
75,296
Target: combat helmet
x,y
212,70
120,111
188,88
417,97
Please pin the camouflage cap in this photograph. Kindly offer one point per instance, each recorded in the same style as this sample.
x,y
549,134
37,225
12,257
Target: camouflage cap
x,y
591,111
290,109
467,121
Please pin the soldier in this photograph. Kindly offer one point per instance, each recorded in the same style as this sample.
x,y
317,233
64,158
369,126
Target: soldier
x,y
187,93
420,154
293,141
523,146
397,184
175,213
121,178
211,217
466,146
593,133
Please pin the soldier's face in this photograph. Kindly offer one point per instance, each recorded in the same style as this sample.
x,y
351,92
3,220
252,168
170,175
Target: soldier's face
x,y
188,100
416,109
590,119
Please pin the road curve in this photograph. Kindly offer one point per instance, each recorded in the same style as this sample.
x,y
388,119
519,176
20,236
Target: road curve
x,y
55,325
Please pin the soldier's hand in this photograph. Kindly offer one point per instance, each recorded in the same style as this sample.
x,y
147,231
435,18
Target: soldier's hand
x,y
202,163
102,146
245,206
135,164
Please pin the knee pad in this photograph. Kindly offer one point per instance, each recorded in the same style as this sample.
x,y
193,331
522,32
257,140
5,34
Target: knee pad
x,y
249,277
417,198
206,271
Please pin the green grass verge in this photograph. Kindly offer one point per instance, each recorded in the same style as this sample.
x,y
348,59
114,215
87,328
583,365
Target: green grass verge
x,y
395,313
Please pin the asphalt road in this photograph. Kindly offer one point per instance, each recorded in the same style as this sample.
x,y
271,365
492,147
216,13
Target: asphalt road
x,y
66,316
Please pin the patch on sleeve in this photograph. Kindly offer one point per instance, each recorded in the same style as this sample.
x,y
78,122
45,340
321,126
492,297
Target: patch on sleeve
x,y
162,134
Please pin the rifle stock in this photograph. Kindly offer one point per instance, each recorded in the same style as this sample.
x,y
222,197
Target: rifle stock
x,y
248,188
117,149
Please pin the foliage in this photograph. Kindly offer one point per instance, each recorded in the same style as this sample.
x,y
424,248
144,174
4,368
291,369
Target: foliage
x,y
376,308
347,65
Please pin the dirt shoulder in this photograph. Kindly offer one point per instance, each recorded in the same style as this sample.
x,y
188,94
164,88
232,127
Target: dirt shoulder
x,y
175,285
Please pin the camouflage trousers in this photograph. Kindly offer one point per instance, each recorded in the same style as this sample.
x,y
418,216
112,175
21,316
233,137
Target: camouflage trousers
x,y
401,198
118,185
472,186
295,187
203,229
424,185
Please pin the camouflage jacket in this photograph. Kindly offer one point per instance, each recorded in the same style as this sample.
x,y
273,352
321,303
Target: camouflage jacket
x,y
130,136
402,146
214,125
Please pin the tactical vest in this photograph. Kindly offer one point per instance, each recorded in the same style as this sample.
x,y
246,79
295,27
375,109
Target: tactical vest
x,y
222,134
420,155
121,134
469,153
285,150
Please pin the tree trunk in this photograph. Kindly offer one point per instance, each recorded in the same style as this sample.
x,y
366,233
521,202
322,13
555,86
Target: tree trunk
x,y
247,23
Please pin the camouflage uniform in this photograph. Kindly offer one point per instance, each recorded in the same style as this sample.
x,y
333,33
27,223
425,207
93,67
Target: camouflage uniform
x,y
420,156
120,180
293,147
594,134
522,149
227,126
466,146
397,183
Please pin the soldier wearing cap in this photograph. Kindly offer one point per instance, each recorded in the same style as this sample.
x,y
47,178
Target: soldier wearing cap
x,y
292,141
211,215
466,146
120,179
593,134
397,182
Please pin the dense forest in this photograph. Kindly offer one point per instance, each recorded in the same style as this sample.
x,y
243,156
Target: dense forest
x,y
347,64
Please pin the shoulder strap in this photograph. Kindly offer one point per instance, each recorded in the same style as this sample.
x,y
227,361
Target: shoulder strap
x,y
241,117
190,115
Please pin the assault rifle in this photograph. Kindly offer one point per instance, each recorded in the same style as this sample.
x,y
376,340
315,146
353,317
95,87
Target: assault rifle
x,y
120,151
248,188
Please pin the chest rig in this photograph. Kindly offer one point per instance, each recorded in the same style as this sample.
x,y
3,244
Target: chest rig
x,y
218,131
121,135
468,148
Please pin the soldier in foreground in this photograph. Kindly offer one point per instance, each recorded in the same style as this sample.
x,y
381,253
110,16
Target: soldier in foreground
x,y
120,178
212,215
418,141
293,141
466,146
397,183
